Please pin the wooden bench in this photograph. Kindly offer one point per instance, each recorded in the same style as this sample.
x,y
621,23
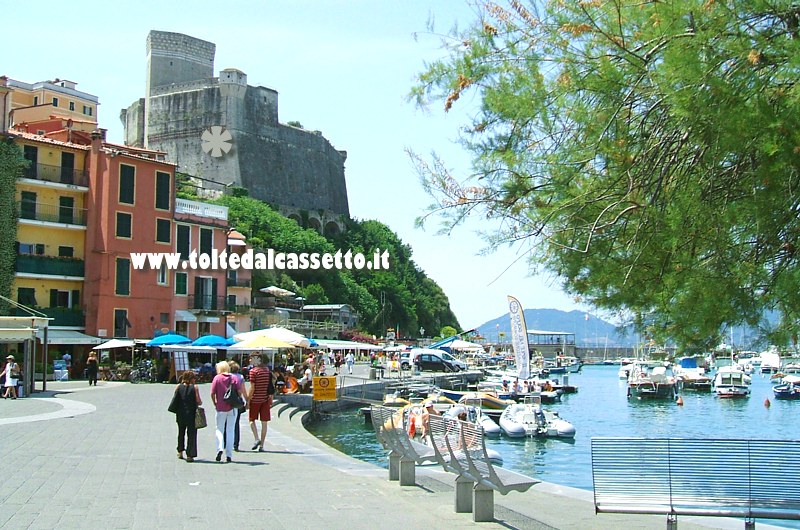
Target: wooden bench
x,y
719,478
460,448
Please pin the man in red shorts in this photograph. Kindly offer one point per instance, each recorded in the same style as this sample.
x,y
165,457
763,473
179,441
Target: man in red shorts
x,y
259,399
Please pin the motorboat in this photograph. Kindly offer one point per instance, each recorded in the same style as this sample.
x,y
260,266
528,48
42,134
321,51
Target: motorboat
x,y
474,414
563,364
788,389
692,376
770,360
651,383
625,371
731,382
530,419
488,400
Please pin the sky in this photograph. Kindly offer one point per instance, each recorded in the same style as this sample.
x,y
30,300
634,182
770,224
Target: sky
x,y
343,67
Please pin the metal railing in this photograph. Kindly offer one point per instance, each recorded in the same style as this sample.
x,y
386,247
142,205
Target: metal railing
x,y
361,390
208,302
59,174
239,282
717,477
51,213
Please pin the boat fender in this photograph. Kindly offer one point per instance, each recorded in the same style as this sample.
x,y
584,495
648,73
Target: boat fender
x,y
767,403
679,401
412,426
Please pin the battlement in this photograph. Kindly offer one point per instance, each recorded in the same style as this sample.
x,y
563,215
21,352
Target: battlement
x,y
174,58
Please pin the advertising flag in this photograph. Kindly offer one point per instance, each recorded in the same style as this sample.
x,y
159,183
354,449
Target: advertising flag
x,y
519,338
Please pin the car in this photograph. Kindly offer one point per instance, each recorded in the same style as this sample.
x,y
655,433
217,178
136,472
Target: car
x,y
432,360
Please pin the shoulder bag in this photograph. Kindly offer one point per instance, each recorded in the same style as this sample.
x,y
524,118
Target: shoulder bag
x,y
232,397
173,405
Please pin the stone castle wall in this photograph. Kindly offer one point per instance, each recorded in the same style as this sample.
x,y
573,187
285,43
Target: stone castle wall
x,y
282,165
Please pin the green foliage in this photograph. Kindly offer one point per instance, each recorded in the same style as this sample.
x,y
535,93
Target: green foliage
x,y
12,165
184,187
647,151
448,331
402,295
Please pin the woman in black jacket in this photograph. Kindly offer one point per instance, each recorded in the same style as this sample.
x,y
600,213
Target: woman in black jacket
x,y
184,404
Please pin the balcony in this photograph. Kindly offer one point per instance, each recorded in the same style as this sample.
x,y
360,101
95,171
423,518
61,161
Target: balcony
x,y
63,316
269,302
239,282
59,174
239,309
201,209
208,302
49,265
51,213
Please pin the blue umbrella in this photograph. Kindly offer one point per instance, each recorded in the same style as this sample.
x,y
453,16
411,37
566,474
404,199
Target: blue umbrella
x,y
169,338
210,340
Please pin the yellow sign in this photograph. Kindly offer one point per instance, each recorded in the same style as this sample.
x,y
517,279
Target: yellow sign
x,y
325,388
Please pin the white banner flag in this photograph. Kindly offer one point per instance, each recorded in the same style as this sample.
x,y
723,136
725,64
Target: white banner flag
x,y
519,338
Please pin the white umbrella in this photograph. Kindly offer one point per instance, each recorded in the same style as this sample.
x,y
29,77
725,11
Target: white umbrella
x,y
463,345
115,343
276,291
283,334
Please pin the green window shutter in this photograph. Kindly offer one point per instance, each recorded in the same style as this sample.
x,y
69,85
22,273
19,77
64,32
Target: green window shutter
x,y
53,297
127,184
123,284
163,190
76,299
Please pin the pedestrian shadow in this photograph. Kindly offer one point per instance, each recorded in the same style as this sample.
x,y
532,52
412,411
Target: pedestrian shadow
x,y
234,462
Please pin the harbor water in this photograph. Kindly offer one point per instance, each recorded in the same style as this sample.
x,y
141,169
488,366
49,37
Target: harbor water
x,y
601,408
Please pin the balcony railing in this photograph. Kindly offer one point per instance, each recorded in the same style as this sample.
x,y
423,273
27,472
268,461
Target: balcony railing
x,y
239,282
208,302
51,213
49,265
201,209
63,316
239,309
60,174
269,302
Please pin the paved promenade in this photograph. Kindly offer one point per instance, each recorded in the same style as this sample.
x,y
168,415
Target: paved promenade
x,y
104,457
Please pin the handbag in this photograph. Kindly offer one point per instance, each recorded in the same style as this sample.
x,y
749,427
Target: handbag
x,y
200,418
173,405
232,397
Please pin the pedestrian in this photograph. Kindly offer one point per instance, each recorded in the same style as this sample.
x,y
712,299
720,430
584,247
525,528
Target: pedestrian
x,y
259,400
11,371
225,413
349,359
337,363
67,358
91,368
236,372
184,403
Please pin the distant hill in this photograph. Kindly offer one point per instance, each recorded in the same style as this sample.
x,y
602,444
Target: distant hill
x,y
588,333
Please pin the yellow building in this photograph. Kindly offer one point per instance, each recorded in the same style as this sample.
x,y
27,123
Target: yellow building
x,y
51,201
36,102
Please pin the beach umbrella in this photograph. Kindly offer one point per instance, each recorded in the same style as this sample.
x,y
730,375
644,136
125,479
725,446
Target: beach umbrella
x,y
167,339
260,343
210,340
281,334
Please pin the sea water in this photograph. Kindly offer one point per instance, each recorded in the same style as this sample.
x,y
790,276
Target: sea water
x,y
601,408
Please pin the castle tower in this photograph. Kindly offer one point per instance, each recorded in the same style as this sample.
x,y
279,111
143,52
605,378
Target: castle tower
x,y
174,58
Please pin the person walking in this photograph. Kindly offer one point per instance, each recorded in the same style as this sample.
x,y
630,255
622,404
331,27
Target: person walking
x,y
235,372
259,400
11,371
225,413
184,403
349,359
91,369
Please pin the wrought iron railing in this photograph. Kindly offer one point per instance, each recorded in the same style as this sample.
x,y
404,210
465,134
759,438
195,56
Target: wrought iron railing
x,y
60,174
51,213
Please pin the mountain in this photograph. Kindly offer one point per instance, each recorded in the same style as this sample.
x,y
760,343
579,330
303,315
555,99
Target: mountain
x,y
591,332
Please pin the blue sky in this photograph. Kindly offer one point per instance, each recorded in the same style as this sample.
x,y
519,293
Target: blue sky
x,y
343,67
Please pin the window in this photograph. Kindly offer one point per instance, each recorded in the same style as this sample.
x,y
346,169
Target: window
x,y
55,102
35,100
163,230
183,243
127,183
26,296
231,302
66,210
165,319
181,283
206,240
31,249
123,282
203,328
27,205
161,276
121,323
181,327
205,293
65,252
87,110
124,225
163,189
71,105
66,299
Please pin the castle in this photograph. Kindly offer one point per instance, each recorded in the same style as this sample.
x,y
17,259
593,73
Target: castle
x,y
297,171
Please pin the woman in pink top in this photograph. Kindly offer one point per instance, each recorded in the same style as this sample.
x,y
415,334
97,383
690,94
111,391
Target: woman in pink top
x,y
226,414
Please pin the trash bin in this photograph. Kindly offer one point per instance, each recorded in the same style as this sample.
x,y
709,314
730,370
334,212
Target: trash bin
x,y
373,373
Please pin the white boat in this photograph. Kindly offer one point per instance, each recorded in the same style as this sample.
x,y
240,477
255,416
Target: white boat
x,y
474,415
530,419
731,382
770,360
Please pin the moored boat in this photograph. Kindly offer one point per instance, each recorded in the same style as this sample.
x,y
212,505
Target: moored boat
x,y
692,376
647,383
731,382
530,419
788,389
